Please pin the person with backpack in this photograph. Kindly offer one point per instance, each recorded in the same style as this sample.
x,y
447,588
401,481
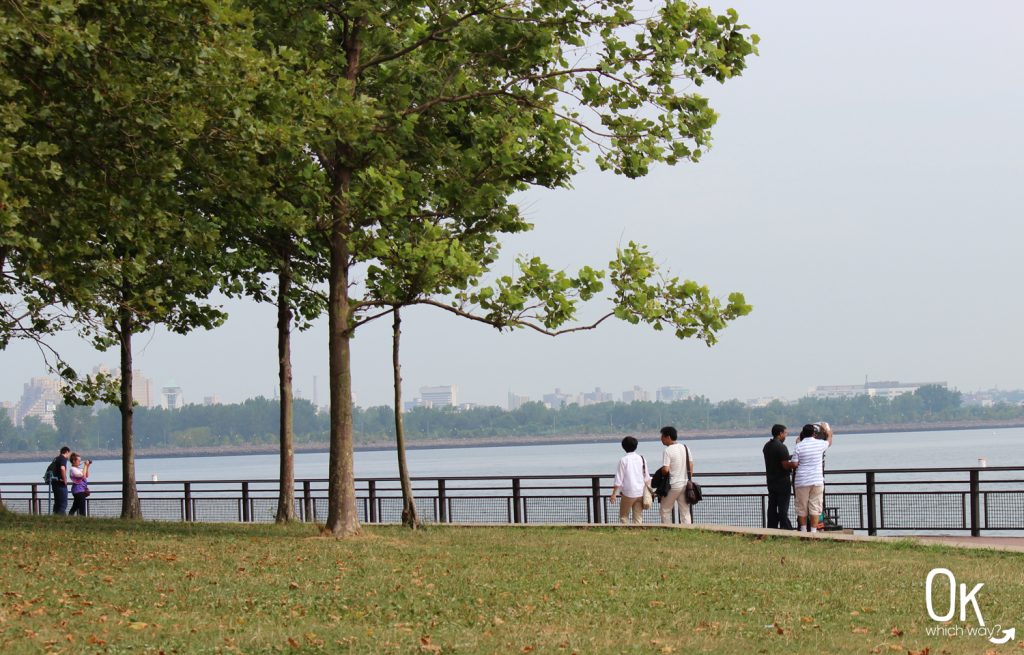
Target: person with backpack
x,y
57,476
79,484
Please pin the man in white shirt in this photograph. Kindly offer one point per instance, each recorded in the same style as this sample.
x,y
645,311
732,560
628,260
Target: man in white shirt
x,y
809,481
630,477
673,462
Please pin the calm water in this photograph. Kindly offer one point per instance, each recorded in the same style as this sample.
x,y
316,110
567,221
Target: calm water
x,y
1003,447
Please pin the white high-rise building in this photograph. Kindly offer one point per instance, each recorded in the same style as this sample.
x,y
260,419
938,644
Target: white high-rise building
x,y
558,399
671,394
516,401
39,398
887,389
446,395
636,395
142,387
171,397
595,397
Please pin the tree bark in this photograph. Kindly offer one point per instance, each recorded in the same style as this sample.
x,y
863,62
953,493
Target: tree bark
x,y
286,492
130,507
342,515
409,517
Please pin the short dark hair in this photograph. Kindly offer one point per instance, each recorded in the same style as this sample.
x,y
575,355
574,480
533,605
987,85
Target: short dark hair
x,y
65,449
808,431
629,444
670,432
778,429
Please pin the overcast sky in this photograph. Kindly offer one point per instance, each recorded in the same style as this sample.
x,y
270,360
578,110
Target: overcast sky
x,y
864,191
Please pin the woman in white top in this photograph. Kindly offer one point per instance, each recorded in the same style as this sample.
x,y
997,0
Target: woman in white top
x,y
673,462
79,476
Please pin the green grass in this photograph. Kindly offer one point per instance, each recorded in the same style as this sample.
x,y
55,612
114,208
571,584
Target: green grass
x,y
98,586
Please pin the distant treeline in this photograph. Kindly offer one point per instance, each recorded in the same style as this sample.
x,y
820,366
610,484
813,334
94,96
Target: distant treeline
x,y
254,422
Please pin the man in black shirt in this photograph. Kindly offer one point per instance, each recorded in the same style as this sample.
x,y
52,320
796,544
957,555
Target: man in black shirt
x,y
59,482
777,467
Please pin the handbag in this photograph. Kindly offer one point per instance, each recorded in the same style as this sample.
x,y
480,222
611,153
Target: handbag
x,y
648,500
692,491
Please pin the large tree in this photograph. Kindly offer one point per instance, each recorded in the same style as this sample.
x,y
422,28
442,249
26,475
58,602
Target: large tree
x,y
418,104
138,117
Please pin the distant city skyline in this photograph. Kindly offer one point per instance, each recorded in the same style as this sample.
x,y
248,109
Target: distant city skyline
x,y
862,190
40,395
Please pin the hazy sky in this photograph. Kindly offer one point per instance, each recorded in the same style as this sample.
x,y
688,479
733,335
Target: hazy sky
x,y
864,191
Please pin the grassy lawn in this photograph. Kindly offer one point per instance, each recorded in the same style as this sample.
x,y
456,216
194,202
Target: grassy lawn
x,y
99,586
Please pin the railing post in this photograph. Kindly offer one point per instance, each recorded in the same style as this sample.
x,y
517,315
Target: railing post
x,y
870,487
35,500
245,501
517,511
373,501
975,504
764,512
442,502
307,501
595,491
188,502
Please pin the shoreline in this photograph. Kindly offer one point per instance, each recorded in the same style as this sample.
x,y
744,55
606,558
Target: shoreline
x,y
535,440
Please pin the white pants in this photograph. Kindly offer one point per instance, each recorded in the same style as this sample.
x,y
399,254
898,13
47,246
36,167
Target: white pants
x,y
675,497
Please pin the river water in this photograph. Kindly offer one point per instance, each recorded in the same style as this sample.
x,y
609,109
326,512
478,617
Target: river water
x,y
955,448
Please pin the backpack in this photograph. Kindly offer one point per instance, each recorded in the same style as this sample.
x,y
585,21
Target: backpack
x,y
50,476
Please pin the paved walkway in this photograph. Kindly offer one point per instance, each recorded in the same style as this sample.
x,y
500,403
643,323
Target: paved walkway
x,y
1013,544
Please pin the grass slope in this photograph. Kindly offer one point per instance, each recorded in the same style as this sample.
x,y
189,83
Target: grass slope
x,y
97,586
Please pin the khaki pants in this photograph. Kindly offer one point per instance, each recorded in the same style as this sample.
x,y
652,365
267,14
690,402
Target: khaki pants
x,y
809,501
636,505
675,497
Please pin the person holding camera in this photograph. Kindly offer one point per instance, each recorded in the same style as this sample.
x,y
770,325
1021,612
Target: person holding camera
x,y
79,477
809,481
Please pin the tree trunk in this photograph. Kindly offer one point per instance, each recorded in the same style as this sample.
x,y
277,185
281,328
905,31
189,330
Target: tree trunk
x,y
130,507
342,516
409,517
286,493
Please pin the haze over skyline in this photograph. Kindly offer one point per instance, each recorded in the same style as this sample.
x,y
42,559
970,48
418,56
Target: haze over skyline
x,y
863,191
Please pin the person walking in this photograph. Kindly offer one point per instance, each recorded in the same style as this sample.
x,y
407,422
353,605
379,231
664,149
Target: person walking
x,y
809,481
631,478
59,482
777,469
676,462
79,484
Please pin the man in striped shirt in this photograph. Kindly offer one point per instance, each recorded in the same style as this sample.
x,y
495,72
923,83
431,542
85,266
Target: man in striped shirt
x,y
809,481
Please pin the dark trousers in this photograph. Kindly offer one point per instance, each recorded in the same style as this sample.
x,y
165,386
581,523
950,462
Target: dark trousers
x,y
78,507
60,498
778,508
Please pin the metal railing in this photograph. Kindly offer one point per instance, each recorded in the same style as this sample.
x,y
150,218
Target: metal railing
x,y
874,500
